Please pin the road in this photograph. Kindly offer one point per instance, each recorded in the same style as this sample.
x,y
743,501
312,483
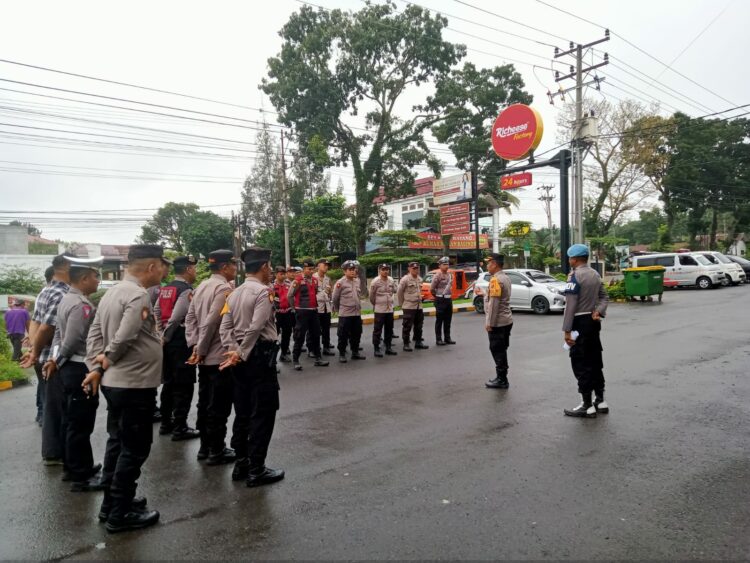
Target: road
x,y
411,457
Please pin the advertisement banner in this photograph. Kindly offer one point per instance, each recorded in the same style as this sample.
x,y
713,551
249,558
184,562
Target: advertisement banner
x,y
517,132
433,241
456,209
454,220
451,189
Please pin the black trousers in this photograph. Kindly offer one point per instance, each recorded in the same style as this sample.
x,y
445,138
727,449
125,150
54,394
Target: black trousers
x,y
78,420
204,397
499,342
41,391
307,322
16,341
586,355
178,385
53,432
443,317
324,320
412,318
285,326
218,407
256,400
349,333
130,428
383,321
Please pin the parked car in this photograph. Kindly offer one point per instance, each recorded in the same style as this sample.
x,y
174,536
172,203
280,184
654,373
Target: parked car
x,y
744,263
460,284
532,290
733,273
683,268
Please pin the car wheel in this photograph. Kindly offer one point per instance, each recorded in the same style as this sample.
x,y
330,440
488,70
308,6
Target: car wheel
x,y
479,305
540,305
703,283
727,281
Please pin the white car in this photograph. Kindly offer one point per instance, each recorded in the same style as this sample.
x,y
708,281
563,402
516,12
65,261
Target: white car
x,y
532,290
733,272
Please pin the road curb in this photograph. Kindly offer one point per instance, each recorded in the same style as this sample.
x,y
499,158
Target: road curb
x,y
8,385
428,312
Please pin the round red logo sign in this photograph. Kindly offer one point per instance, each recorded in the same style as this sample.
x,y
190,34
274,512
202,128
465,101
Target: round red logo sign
x,y
517,131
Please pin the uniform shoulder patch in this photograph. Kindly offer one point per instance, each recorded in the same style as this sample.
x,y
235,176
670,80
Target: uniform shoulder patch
x,y
572,287
496,289
86,311
145,313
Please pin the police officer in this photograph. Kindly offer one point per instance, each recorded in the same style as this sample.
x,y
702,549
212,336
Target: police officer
x,y
74,316
347,294
202,332
442,291
123,352
498,319
248,330
153,295
325,288
284,314
586,303
178,381
382,292
303,299
410,298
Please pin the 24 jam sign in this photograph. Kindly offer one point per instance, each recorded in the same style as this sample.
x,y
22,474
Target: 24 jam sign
x,y
517,131
515,181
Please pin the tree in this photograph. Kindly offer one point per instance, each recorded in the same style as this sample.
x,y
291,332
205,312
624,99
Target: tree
x,y
16,279
398,239
167,226
323,228
205,231
471,100
307,181
262,204
335,64
30,229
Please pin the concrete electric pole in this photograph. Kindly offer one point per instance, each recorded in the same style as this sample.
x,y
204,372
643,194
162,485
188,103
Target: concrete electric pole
x,y
546,199
285,205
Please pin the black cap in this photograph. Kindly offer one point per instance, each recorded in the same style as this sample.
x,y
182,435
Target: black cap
x,y
384,267
185,261
255,254
323,261
145,251
280,270
219,257
414,264
308,263
498,259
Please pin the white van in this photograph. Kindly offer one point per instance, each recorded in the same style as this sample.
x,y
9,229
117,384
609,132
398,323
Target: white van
x,y
685,269
734,274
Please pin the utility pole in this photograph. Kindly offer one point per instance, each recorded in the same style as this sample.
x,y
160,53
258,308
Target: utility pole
x,y
284,205
578,138
546,199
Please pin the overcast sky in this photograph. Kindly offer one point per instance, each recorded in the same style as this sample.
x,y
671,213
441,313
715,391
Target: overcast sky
x,y
218,50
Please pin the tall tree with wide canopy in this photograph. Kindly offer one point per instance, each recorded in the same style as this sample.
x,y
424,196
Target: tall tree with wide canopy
x,y
335,65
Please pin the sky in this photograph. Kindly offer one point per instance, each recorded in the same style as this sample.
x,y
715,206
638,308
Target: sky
x,y
60,155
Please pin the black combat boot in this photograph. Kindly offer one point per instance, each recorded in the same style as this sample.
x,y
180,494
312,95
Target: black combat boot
x,y
241,469
328,352
407,346
600,404
440,342
342,358
221,457
263,475
285,357
187,433
357,355
500,382
297,365
390,351
90,485
138,503
449,340
320,362
420,345
378,352
133,520
584,410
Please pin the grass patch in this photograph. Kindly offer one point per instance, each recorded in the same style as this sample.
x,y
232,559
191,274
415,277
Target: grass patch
x,y
10,371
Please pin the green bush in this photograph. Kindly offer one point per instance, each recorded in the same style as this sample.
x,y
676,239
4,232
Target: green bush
x,y
10,371
560,276
6,350
97,296
616,290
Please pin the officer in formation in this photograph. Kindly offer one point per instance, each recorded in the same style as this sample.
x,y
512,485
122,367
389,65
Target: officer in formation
x,y
75,314
303,297
586,303
410,297
498,319
347,295
202,333
441,289
248,332
153,295
124,354
178,381
284,314
383,290
325,288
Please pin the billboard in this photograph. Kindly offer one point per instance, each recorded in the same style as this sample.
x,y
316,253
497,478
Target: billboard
x,y
517,132
434,241
451,189
455,218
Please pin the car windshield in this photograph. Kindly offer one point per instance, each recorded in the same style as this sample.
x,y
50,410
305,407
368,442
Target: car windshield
x,y
741,261
723,259
702,260
711,258
540,277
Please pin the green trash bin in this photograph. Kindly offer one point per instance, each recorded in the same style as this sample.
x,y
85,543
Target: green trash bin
x,y
644,282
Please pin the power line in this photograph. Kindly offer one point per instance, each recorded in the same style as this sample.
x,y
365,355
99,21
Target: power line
x,y
511,20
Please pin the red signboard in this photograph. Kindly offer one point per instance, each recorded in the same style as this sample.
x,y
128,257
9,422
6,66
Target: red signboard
x,y
455,209
515,181
517,131
434,241
456,228
455,219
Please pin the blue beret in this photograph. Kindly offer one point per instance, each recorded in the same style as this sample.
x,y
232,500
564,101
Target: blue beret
x,y
578,250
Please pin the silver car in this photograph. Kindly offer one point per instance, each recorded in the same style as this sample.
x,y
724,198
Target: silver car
x,y
532,290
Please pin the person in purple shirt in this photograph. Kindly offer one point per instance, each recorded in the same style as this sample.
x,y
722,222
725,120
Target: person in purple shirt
x,y
17,320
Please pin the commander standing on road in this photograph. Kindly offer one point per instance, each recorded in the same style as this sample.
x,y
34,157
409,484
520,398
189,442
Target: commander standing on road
x,y
442,291
586,303
498,319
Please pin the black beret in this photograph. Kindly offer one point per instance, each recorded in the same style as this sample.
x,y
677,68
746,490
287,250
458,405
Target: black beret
x,y
144,251
498,259
184,261
218,257
255,254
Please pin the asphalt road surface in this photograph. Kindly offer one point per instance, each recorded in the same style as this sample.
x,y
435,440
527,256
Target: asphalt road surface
x,y
411,457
